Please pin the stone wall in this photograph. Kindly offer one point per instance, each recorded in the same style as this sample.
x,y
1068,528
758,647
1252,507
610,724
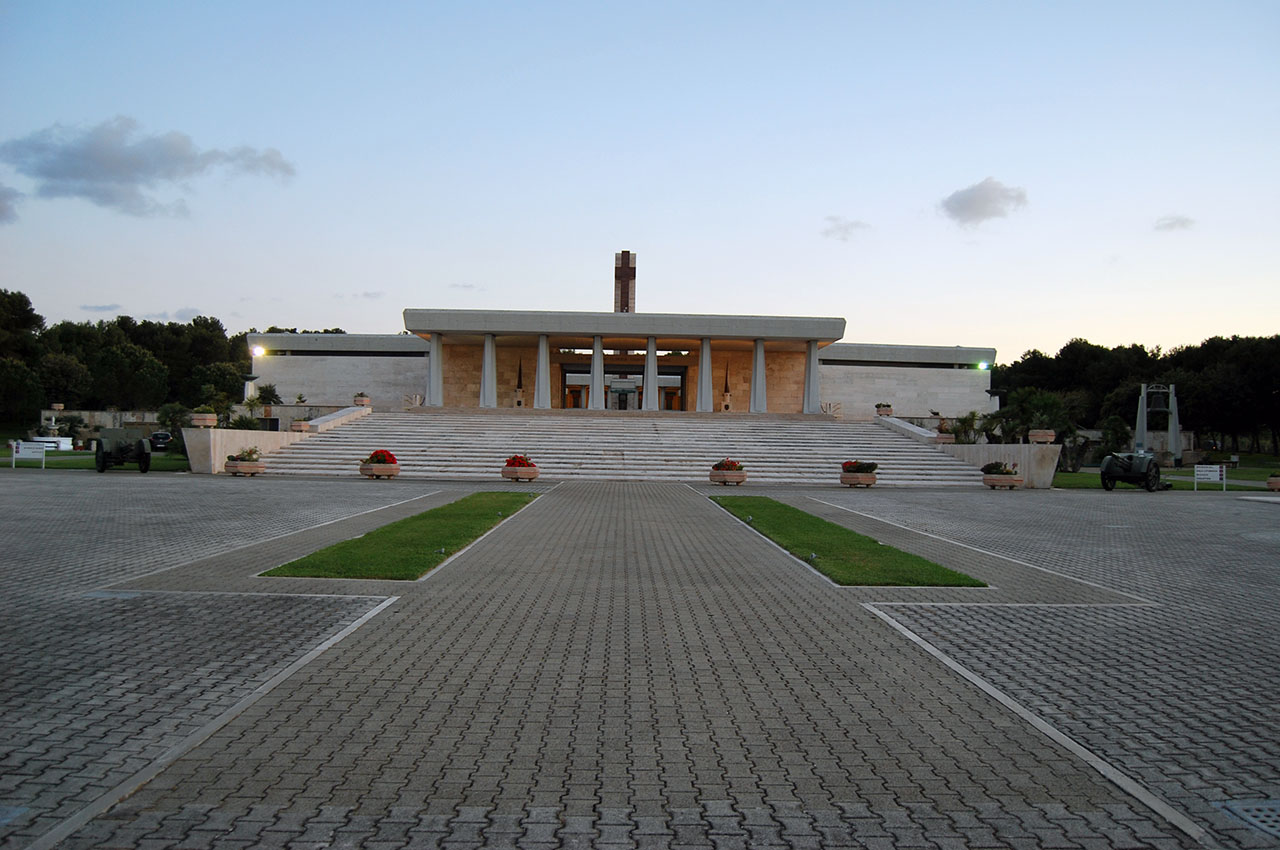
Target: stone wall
x,y
334,379
913,391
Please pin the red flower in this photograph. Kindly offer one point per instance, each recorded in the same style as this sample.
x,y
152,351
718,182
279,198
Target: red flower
x,y
520,460
380,456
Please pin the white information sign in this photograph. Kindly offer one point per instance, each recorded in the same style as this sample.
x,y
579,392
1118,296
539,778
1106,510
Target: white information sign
x,y
23,450
1210,473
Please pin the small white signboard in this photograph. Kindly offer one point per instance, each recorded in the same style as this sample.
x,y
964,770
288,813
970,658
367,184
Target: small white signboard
x,y
23,450
1210,473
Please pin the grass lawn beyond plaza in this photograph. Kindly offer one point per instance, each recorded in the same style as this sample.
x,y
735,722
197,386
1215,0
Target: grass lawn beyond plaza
x,y
844,556
412,547
160,462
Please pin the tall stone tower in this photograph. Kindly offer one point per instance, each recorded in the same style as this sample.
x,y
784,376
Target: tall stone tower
x,y
624,282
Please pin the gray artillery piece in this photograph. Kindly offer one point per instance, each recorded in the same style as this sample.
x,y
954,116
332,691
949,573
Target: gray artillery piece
x,y
118,446
1137,468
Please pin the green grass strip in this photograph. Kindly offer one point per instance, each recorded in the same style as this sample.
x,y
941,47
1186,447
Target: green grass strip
x,y
160,462
846,557
409,548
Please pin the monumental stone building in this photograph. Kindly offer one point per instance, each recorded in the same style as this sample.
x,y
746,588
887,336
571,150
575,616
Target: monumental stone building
x,y
624,360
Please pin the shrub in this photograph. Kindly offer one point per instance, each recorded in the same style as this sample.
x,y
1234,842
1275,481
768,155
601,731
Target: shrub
x,y
245,423
997,467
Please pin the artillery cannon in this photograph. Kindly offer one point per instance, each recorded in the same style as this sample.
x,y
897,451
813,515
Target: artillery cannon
x,y
1137,468
118,446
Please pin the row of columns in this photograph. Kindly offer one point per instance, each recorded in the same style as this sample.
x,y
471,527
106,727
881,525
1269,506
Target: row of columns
x,y
542,379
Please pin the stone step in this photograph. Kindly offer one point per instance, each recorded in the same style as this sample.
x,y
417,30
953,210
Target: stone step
x,y
453,444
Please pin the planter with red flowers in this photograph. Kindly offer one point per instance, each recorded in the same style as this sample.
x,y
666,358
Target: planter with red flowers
x,y
380,464
858,473
519,468
728,471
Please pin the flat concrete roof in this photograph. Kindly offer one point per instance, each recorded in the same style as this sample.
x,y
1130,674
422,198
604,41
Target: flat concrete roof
x,y
339,343
578,329
914,354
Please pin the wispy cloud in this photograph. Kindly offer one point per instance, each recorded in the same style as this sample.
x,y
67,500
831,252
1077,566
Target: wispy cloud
x,y
114,166
839,227
981,201
1175,222
371,296
8,204
100,308
470,286
186,314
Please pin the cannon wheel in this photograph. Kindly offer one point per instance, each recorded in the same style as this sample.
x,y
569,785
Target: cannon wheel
x,y
100,458
1108,483
1152,480
144,456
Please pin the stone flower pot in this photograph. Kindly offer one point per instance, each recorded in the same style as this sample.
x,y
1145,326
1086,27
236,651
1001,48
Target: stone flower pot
x,y
1041,435
884,411
858,479
299,426
379,470
1273,484
204,420
245,467
728,476
362,401
996,481
944,439
519,473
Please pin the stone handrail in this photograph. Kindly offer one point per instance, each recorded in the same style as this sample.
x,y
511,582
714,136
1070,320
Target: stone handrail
x,y
1036,463
207,448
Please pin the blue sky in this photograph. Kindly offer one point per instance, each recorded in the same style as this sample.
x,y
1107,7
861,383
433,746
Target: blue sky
x,y
996,174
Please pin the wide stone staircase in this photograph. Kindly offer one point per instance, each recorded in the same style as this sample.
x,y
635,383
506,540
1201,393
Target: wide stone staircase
x,y
611,445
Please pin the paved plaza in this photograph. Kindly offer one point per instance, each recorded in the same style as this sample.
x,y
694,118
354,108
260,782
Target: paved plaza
x,y
626,665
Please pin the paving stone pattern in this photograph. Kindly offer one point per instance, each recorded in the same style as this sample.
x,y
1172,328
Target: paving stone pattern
x,y
97,682
1183,695
623,665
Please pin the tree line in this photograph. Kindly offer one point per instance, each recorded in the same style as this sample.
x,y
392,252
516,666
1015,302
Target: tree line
x,y
1228,389
119,363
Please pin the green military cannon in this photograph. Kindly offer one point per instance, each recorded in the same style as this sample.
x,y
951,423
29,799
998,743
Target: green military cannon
x,y
118,446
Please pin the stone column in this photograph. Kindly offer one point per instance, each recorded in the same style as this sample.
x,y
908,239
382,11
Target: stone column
x,y
705,405
759,398
435,372
489,373
542,381
596,402
812,388
651,391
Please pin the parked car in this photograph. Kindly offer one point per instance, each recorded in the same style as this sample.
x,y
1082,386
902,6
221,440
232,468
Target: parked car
x,y
160,440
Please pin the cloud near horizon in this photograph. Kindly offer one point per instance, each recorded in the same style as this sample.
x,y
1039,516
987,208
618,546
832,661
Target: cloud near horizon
x,y
113,166
8,204
100,308
841,228
1175,222
981,201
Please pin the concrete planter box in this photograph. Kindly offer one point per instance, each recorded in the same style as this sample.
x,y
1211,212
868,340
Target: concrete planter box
x,y
204,420
361,401
1041,435
245,467
379,470
996,481
519,473
728,476
858,479
884,411
302,427
944,439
